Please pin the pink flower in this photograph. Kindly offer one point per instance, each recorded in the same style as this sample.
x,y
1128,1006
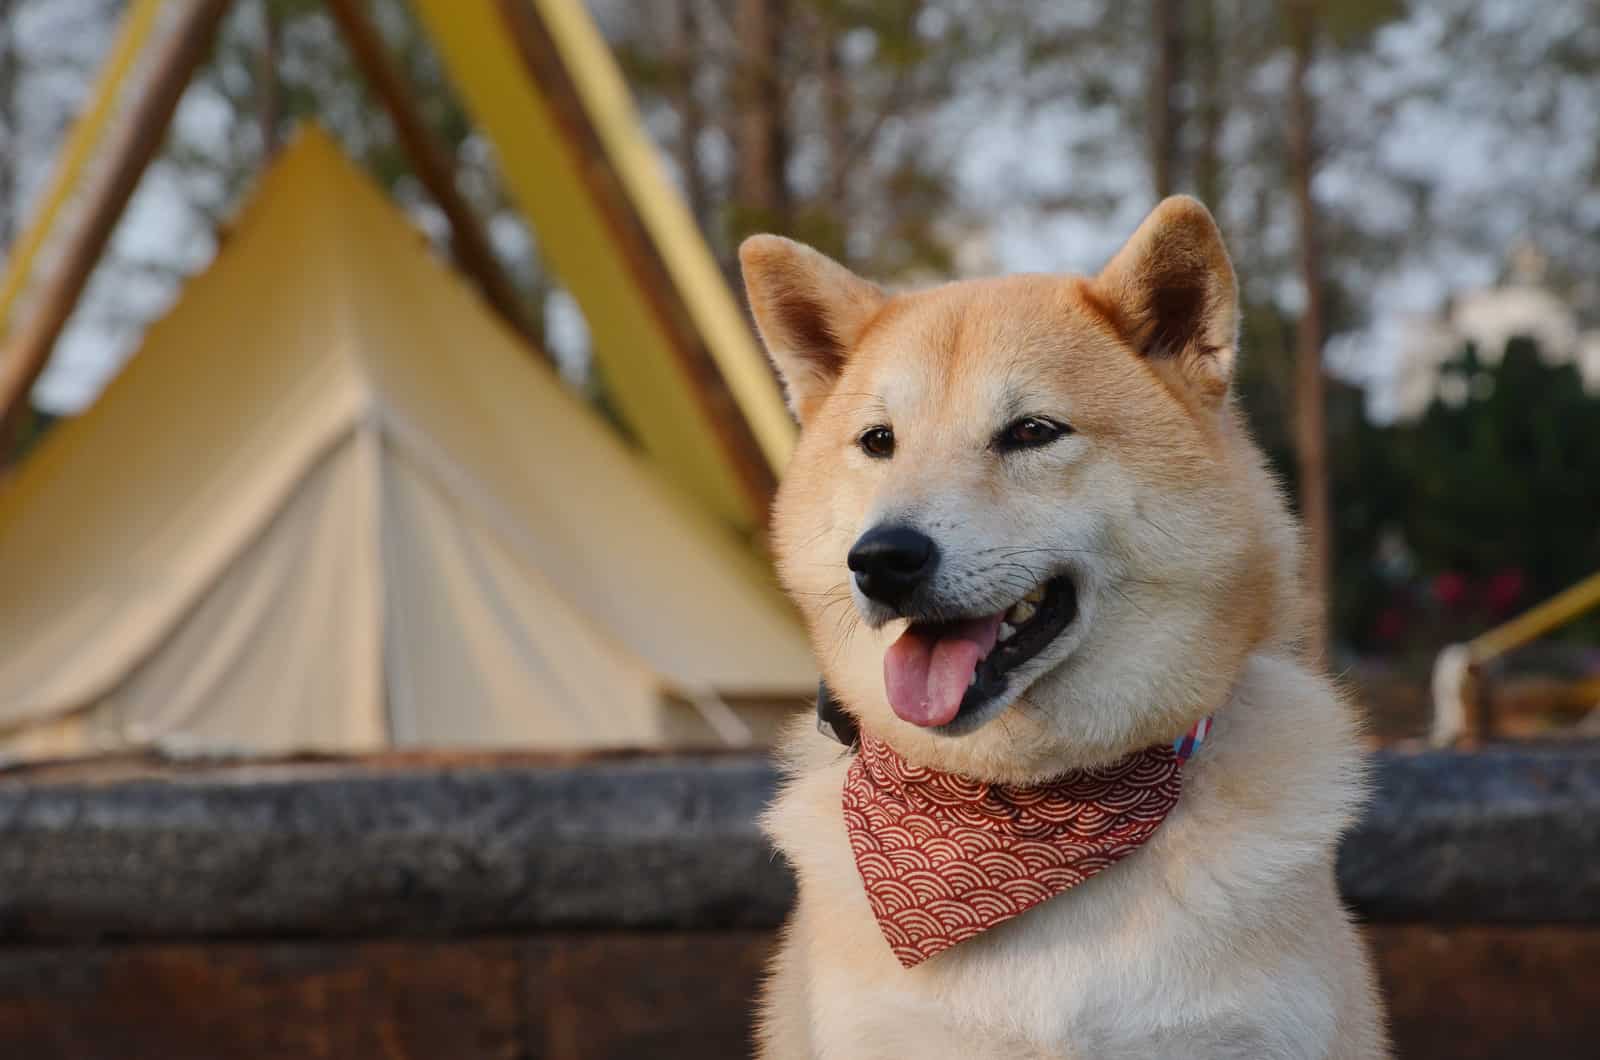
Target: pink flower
x,y
1450,588
1505,590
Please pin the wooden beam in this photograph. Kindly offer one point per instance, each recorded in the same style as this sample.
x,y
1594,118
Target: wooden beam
x,y
546,67
1462,990
25,355
78,149
434,167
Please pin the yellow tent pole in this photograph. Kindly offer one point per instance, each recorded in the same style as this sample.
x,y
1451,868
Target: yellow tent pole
x,y
1559,609
139,137
78,149
710,303
655,334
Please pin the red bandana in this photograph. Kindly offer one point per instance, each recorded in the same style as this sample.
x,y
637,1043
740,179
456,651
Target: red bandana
x,y
944,857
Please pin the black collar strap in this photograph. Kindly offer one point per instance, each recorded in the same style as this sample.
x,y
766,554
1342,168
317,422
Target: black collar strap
x,y
832,720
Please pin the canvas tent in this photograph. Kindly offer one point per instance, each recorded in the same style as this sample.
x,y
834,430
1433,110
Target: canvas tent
x,y
333,503
681,364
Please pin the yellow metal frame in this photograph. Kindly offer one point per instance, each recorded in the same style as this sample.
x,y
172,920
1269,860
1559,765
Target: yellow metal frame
x,y
79,148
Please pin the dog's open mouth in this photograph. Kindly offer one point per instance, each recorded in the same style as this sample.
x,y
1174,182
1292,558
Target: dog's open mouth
x,y
937,671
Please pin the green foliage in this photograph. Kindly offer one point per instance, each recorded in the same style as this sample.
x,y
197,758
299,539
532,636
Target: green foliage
x,y
31,427
1351,23
1508,481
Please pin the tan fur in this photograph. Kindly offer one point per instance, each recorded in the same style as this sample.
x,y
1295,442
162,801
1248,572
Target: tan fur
x,y
1224,936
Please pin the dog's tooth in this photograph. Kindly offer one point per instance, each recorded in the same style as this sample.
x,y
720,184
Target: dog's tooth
x,y
1006,629
1021,612
1036,596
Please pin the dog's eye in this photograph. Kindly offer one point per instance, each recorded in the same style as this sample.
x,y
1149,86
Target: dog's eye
x,y
877,442
1030,432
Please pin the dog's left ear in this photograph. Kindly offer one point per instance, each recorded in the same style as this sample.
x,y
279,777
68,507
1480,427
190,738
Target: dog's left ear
x,y
1171,292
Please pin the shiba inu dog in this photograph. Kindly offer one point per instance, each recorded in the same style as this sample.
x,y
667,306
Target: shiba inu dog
x,y
1034,546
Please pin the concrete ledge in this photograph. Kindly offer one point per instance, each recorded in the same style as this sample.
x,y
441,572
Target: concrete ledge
x,y
353,850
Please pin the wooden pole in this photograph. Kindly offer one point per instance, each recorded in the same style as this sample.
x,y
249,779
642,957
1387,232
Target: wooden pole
x,y
435,168
104,200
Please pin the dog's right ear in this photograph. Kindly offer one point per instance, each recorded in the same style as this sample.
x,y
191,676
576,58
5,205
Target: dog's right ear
x,y
810,311
1172,294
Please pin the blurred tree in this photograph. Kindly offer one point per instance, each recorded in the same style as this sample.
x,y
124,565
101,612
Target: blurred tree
x,y
1311,440
279,62
681,83
1166,76
267,91
1492,494
10,61
41,86
813,118
761,139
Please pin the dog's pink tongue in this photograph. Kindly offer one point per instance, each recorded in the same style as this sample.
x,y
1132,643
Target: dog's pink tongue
x,y
927,671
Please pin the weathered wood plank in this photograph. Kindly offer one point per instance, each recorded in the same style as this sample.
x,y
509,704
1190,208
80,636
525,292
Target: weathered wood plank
x,y
1489,992
1464,993
621,996
396,1001
562,998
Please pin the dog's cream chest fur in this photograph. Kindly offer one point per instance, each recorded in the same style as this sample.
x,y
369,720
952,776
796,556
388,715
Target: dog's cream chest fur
x,y
1221,937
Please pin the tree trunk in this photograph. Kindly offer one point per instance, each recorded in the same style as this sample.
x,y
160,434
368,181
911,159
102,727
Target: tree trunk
x,y
269,100
762,143
1166,72
1210,51
1311,444
10,74
684,57
835,113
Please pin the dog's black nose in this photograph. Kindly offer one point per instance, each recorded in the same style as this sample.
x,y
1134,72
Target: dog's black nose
x,y
891,561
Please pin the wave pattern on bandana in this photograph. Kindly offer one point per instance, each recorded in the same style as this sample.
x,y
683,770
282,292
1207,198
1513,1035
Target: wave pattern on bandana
x,y
944,857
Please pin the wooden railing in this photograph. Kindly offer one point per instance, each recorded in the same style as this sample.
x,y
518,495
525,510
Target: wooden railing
x,y
1461,706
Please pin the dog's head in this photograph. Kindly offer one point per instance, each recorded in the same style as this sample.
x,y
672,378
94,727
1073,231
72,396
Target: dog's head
x,y
1023,521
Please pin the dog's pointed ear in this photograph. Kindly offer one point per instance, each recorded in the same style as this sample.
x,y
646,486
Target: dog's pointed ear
x,y
1172,294
810,311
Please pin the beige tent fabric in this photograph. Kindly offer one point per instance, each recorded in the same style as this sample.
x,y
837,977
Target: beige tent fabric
x,y
490,641
333,504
